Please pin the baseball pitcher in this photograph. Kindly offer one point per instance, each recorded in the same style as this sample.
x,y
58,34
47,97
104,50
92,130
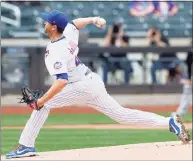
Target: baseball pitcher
x,y
76,82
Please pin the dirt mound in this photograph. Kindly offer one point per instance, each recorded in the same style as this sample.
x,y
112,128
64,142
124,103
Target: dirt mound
x,y
147,151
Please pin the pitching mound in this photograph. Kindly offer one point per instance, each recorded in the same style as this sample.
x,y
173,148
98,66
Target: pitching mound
x,y
148,151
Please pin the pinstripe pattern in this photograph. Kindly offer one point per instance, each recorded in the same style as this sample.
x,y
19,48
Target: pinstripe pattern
x,y
33,127
70,95
90,89
122,115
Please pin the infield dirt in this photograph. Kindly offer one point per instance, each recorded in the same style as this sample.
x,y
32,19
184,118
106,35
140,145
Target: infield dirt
x,y
148,151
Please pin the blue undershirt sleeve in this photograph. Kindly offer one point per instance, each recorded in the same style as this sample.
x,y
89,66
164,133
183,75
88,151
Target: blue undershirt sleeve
x,y
62,76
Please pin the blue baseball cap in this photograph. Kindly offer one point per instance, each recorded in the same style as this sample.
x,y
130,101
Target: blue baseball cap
x,y
55,18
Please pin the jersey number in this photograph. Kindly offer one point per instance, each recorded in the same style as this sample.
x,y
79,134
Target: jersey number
x,y
77,61
72,47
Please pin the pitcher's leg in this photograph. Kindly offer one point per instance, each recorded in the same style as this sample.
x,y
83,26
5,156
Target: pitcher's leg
x,y
66,97
33,126
185,100
107,105
103,102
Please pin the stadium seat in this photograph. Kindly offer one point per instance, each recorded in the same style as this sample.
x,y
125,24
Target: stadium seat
x,y
175,26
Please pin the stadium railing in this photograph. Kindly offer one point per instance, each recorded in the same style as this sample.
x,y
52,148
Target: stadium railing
x,y
36,67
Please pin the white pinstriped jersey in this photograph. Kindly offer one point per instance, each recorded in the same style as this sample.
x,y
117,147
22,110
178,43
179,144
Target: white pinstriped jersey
x,y
61,55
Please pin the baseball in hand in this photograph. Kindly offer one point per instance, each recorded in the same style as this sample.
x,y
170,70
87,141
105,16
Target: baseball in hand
x,y
100,22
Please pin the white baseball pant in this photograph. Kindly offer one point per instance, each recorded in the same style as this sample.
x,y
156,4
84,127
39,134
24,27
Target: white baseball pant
x,y
91,90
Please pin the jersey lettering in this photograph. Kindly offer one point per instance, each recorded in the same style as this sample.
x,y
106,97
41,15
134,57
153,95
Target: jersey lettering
x,y
47,53
72,47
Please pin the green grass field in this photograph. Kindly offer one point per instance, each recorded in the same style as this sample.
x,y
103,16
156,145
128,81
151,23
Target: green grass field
x,y
59,139
56,119
49,139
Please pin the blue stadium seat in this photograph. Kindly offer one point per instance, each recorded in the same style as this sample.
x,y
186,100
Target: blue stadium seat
x,y
176,26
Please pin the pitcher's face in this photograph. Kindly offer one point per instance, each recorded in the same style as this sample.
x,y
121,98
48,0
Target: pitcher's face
x,y
47,27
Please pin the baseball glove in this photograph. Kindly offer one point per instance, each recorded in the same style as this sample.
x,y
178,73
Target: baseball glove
x,y
30,97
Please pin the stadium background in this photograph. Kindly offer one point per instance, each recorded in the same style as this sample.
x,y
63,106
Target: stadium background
x,y
23,44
